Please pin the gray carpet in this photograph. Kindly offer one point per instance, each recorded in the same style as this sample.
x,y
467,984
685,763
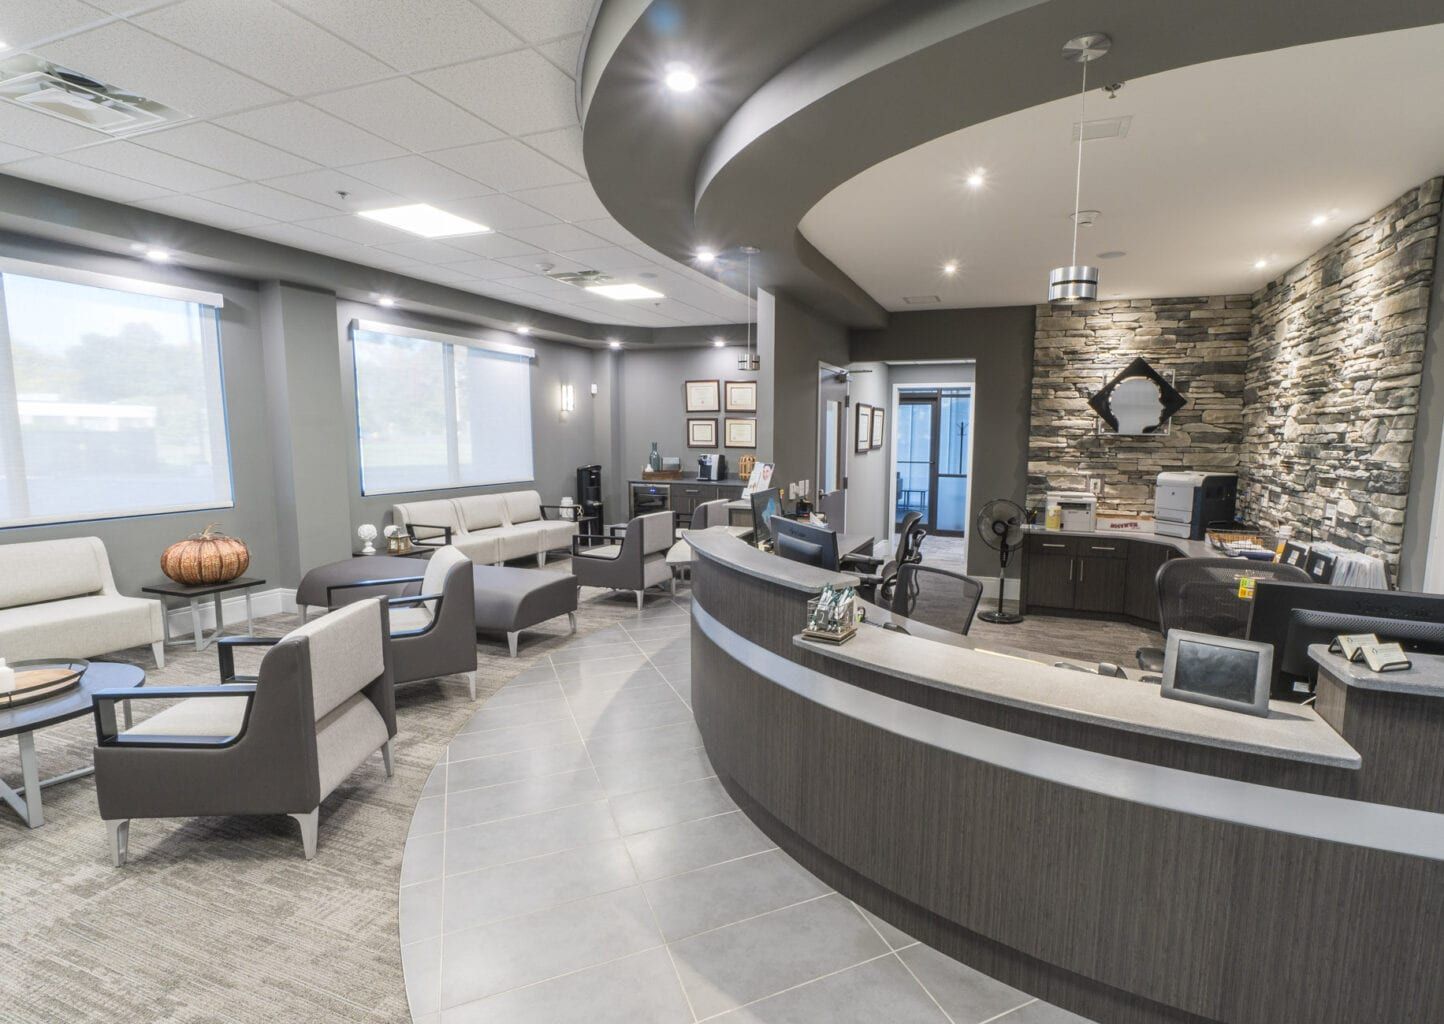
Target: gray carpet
x,y
221,919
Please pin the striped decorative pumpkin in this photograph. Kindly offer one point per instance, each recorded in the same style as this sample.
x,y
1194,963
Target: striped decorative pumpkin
x,y
205,558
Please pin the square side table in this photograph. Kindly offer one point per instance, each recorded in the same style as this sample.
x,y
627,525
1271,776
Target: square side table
x,y
194,596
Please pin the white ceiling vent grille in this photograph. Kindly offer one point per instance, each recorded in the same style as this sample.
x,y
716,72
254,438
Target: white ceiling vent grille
x,y
1105,128
582,278
48,88
921,300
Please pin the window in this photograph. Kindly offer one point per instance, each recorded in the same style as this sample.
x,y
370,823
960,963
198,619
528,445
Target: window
x,y
436,411
111,402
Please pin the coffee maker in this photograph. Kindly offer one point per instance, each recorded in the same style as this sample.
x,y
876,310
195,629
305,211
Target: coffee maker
x,y
711,467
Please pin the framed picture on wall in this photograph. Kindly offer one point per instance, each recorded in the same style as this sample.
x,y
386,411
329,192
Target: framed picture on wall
x,y
877,431
739,433
862,432
701,433
703,396
741,396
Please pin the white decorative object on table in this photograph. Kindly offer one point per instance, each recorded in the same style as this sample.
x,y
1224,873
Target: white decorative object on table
x,y
7,677
367,533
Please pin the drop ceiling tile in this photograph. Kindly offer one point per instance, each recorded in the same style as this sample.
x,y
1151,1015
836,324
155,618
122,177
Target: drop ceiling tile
x,y
501,213
540,284
565,202
505,165
492,245
489,270
311,133
418,178
203,211
427,251
43,133
303,238
565,53
62,173
272,44
128,58
557,237
563,145
208,144
411,36
534,262
25,22
358,229
538,20
148,165
9,153
264,201
606,227
407,114
521,93
321,187
609,259
444,275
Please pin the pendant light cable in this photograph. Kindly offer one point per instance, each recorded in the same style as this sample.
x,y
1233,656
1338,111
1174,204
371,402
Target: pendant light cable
x,y
1078,183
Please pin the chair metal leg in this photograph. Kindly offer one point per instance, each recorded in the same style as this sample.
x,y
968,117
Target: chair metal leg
x,y
641,597
471,684
386,758
541,559
572,620
305,613
119,829
309,822
157,651
511,642
674,584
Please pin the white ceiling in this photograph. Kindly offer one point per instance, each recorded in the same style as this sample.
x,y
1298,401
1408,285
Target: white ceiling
x,y
1224,164
466,104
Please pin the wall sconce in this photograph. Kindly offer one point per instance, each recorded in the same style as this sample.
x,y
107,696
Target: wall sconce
x,y
568,398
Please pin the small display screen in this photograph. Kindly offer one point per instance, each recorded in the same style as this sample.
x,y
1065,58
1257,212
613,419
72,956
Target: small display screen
x,y
1222,672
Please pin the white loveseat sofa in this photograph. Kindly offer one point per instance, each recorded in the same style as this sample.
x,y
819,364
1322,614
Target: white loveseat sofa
x,y
487,528
58,600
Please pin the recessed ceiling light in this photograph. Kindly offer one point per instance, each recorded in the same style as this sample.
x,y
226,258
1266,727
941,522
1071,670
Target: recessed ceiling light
x,y
523,329
157,255
705,256
950,268
976,178
387,301
425,220
680,78
1319,219
614,343
1260,264
624,292
719,343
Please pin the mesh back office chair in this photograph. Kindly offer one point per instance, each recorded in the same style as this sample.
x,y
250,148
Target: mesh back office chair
x,y
1201,595
878,586
936,597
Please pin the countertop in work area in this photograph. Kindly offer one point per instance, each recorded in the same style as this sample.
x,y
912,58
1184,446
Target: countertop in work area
x,y
691,478
1189,548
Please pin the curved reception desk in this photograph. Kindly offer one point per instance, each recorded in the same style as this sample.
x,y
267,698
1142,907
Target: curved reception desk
x,y
1134,859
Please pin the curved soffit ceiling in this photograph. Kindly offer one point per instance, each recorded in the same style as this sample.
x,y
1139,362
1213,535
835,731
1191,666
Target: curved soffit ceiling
x,y
1225,165
900,76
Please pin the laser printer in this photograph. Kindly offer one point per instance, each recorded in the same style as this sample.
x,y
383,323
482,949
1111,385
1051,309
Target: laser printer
x,y
1184,504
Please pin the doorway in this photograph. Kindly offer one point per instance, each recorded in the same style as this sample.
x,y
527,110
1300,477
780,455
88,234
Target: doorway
x,y
933,457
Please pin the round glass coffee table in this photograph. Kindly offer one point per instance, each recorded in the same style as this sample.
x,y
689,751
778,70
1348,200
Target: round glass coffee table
x,y
24,720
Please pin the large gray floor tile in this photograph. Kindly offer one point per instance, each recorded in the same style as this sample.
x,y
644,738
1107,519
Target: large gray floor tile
x,y
421,967
597,668
522,764
642,744
726,893
435,782
1042,1013
639,989
877,992
624,719
541,672
639,676
507,716
591,703
891,934
650,772
968,996
419,911
429,816
527,796
530,885
695,844
622,647
667,647
525,693
756,958
667,805
683,687
521,951
421,860
518,737
513,839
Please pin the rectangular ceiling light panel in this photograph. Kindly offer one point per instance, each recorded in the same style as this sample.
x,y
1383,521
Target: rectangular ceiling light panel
x,y
624,292
425,220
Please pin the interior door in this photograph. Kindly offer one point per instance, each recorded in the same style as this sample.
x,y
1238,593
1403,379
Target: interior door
x,y
832,415
917,457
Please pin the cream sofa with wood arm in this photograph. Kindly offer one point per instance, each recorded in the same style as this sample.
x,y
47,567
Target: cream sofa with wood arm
x,y
58,600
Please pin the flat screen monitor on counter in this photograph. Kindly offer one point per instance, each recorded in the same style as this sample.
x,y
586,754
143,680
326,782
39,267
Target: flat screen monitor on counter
x,y
1218,671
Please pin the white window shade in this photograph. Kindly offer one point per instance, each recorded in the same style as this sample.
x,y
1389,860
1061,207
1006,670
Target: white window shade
x,y
111,402
435,411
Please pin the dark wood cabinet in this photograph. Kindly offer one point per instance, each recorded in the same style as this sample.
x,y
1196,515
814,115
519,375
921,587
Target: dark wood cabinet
x,y
1101,576
1048,572
1140,595
1099,584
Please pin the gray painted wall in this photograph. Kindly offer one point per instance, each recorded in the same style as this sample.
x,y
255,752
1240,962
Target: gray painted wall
x,y
801,340
867,472
999,341
135,544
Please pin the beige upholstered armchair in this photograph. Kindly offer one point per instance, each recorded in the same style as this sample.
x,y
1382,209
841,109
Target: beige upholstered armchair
x,y
321,705
635,561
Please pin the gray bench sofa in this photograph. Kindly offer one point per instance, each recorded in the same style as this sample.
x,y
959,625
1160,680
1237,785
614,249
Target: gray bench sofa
x,y
488,528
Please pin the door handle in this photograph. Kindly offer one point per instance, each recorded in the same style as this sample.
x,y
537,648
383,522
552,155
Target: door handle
x,y
1070,570
1097,547
1081,565
1054,545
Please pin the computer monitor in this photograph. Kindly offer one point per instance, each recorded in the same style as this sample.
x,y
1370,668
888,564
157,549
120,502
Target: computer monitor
x,y
803,542
765,505
1293,615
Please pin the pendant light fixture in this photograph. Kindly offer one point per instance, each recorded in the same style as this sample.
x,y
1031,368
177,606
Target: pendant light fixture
x,y
1074,283
749,360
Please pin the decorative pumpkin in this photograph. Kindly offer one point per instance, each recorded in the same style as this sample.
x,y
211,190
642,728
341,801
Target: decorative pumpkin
x,y
205,558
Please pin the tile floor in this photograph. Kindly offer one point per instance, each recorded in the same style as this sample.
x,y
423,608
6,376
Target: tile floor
x,y
574,859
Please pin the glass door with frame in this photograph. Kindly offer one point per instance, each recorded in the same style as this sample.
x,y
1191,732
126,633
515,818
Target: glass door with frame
x,y
933,457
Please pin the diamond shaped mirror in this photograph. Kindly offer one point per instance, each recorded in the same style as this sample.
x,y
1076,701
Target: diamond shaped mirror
x,y
1138,401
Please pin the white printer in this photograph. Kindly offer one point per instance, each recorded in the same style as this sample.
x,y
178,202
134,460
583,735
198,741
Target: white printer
x,y
1184,504
1077,510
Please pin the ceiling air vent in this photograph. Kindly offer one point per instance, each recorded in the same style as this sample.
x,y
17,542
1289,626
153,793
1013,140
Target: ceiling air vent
x,y
38,85
921,300
582,278
1107,128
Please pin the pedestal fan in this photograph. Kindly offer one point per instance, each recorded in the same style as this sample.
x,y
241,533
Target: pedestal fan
x,y
1000,523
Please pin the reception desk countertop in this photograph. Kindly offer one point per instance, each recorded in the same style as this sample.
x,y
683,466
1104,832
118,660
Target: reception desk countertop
x,y
1425,678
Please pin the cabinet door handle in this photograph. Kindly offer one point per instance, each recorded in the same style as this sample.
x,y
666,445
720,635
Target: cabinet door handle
x,y
1070,570
1081,565
1054,545
693,490
1099,547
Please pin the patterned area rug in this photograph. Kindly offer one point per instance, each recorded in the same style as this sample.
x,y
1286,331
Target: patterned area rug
x,y
222,919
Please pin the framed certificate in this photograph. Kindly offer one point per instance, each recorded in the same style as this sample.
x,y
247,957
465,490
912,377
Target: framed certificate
x,y
863,430
703,396
741,396
739,433
877,415
701,433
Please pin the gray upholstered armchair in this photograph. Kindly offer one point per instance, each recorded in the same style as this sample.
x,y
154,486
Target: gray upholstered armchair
x,y
322,704
433,633
635,560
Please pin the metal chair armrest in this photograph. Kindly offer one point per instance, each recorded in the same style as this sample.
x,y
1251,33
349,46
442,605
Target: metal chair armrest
x,y
398,601
102,707
226,655
428,542
359,584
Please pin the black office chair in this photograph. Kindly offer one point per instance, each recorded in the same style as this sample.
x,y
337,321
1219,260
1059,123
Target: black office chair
x,y
937,597
1201,595
877,586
